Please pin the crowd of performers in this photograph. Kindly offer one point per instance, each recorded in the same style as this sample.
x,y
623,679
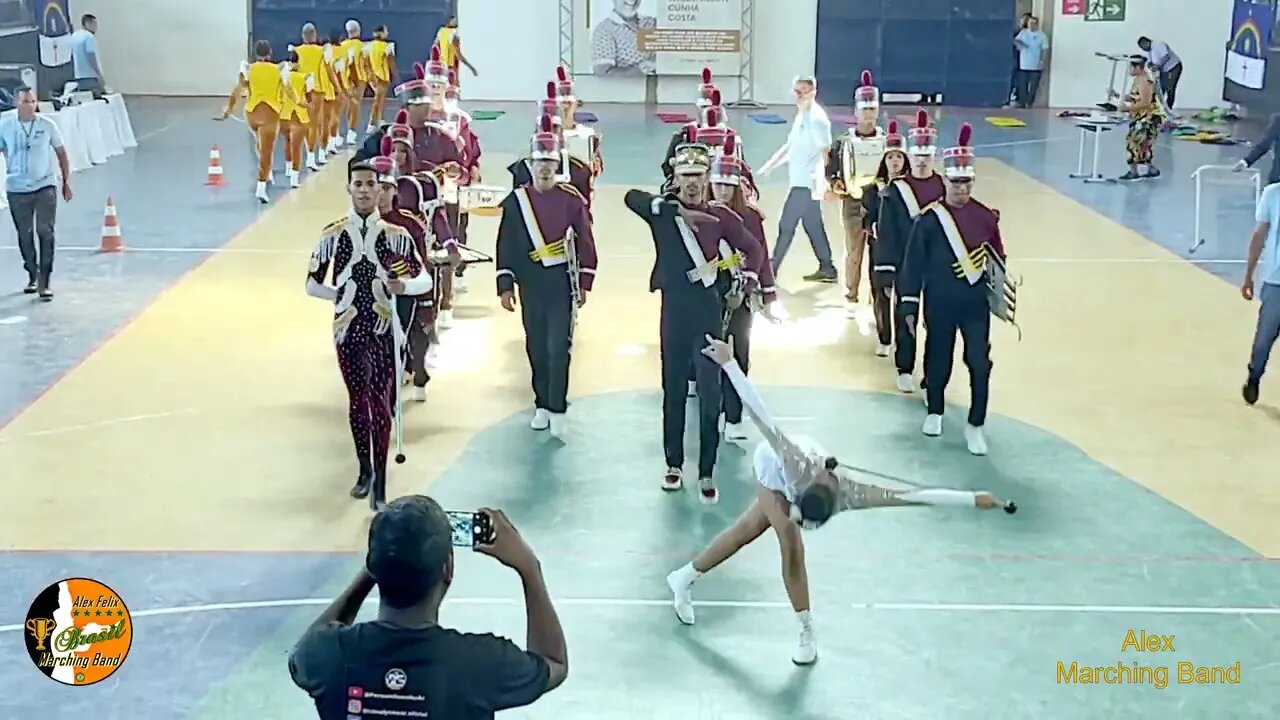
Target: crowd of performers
x,y
935,255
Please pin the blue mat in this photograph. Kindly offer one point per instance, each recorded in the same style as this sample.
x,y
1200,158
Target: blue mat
x,y
768,118
585,117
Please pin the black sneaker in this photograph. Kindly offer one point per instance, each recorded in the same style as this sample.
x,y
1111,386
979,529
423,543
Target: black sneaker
x,y
360,490
1130,176
1250,392
46,295
822,276
1151,174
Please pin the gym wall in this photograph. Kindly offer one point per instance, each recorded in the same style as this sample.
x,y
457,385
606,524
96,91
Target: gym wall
x,y
1197,30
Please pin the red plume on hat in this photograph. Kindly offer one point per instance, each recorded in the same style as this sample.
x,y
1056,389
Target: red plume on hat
x,y
715,99
402,117
385,146
551,90
730,144
691,133
893,127
435,53
713,117
706,76
562,75
966,131
922,119
419,71
866,78
546,124
453,78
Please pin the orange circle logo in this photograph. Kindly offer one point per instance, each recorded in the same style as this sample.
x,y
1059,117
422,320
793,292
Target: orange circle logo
x,y
78,631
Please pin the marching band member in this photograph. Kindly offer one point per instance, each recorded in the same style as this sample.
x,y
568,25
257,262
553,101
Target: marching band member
x,y
880,270
372,261
699,246
946,259
407,306
714,133
705,100
265,85
313,60
799,488
355,75
580,141
458,124
900,207
851,167
578,174
295,119
726,188
546,251
380,61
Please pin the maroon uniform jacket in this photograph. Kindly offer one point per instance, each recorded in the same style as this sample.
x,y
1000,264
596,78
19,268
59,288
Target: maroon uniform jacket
x,y
754,220
412,192
531,248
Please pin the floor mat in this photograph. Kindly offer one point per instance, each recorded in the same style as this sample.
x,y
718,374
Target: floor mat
x,y
673,118
483,115
1005,122
768,118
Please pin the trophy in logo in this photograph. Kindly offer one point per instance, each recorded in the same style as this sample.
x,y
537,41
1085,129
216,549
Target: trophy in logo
x,y
40,629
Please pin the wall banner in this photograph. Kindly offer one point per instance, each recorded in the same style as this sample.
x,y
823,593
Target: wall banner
x,y
657,37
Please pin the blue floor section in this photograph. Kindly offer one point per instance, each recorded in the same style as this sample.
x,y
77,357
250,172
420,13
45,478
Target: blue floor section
x,y
165,208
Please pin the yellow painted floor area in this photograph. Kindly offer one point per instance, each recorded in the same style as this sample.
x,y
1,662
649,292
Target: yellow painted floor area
x,y
223,400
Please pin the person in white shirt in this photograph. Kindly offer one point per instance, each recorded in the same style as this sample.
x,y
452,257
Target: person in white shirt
x,y
805,153
1165,62
1263,267
800,486
85,63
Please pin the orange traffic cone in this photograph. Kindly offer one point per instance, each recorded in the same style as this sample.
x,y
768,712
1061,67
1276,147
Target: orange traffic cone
x,y
112,238
216,177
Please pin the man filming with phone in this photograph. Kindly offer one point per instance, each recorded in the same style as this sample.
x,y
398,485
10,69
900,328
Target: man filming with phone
x,y
404,663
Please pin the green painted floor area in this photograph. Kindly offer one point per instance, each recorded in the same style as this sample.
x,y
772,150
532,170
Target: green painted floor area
x,y
607,535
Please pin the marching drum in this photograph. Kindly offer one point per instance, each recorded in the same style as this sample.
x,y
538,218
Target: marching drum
x,y
482,200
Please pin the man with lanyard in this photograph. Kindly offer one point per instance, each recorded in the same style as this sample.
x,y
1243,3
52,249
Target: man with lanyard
x,y
700,246
851,168
546,251
946,259
903,203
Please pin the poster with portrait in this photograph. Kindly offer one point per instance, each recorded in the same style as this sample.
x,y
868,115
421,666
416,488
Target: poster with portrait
x,y
1252,23
657,37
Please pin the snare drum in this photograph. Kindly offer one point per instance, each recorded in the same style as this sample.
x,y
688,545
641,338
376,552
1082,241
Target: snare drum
x,y
482,200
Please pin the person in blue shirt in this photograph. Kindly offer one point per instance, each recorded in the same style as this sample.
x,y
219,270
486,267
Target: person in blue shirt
x,y
84,56
1264,260
1270,142
1032,45
29,143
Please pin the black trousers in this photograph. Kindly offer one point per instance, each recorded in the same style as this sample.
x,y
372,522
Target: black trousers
x,y
415,320
1028,87
34,214
682,330
546,314
740,330
1169,83
459,221
969,317
882,303
904,353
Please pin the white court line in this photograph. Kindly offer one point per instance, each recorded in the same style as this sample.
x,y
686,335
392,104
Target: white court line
x,y
633,256
98,424
744,605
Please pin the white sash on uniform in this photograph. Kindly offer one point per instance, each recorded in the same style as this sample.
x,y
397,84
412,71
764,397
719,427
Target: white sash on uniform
x,y
972,273
908,198
548,257
703,271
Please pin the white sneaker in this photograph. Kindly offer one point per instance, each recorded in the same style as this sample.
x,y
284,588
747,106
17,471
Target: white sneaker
x,y
316,160
371,129
352,137
432,357
673,480
418,394
681,584
708,493
906,383
541,420
557,425
693,389
882,351
295,179
807,651
975,439
445,321
932,425
261,193
735,431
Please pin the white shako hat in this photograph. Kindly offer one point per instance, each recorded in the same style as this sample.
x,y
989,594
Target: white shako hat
x,y
726,168
957,161
548,105
564,87
893,139
692,157
400,130
414,92
866,96
436,72
383,165
712,131
545,143
923,138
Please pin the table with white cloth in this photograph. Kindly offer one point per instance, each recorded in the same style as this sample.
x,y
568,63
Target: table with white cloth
x,y
92,133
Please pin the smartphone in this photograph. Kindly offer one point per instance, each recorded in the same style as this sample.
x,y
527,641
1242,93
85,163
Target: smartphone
x,y
470,528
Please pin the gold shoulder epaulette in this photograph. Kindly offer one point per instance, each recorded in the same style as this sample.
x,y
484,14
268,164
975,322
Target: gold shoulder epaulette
x,y
935,205
569,188
334,227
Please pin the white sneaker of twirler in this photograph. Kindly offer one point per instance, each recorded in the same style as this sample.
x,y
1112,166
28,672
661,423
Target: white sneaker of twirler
x,y
541,420
807,650
681,584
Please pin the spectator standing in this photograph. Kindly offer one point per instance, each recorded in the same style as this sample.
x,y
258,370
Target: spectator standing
x,y
1270,142
1264,260
1033,48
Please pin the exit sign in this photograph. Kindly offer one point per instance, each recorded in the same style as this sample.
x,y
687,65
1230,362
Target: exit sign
x,y
1105,11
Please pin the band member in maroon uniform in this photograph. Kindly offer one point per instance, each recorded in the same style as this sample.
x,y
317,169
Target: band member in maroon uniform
x,y
880,269
546,253
699,245
903,203
705,100
372,262
726,187
946,260
574,171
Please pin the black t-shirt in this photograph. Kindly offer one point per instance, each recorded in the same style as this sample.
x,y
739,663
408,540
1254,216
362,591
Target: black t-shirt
x,y
377,670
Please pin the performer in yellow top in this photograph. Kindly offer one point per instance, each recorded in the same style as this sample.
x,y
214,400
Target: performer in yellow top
x,y
355,76
312,61
265,85
295,119
336,110
380,56
450,46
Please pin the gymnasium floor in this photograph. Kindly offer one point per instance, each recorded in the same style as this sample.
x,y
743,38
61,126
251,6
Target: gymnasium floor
x,y
177,430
